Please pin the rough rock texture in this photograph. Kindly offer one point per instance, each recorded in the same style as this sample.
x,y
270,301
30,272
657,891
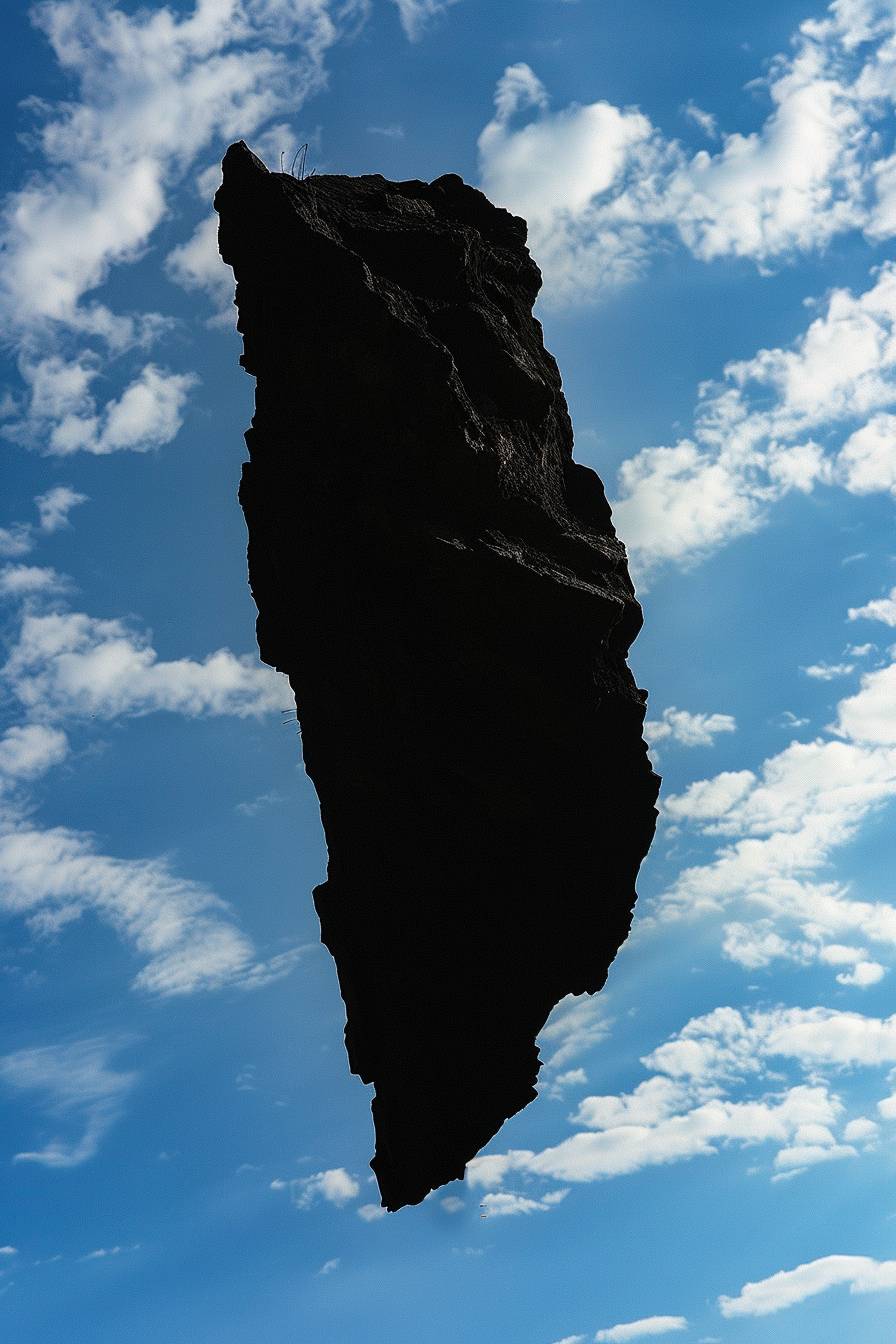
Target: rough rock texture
x,y
444,588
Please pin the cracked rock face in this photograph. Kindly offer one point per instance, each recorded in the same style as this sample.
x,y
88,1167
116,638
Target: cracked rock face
x,y
443,586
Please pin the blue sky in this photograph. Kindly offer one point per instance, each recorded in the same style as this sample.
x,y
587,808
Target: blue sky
x,y
711,192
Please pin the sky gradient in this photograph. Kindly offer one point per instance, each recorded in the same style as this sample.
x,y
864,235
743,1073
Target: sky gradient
x,y
711,195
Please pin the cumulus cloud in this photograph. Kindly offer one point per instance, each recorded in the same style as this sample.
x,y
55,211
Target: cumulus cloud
x,y
154,90
602,186
334,1186
62,416
789,1287
752,441
688,730
76,1087
776,829
22,581
29,750
648,1326
150,95
551,169
69,664
717,1084
878,609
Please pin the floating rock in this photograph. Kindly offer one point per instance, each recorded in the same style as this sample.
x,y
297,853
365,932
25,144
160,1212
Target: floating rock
x,y
443,586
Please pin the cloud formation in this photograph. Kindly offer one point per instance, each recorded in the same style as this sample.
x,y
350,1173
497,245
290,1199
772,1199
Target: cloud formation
x,y
602,187
789,1287
75,1085
686,729
714,1085
647,1327
67,664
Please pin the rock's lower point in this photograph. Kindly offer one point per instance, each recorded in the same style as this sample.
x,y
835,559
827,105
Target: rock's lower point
x,y
443,586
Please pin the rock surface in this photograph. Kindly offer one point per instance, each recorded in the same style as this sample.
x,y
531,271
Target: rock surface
x,y
444,588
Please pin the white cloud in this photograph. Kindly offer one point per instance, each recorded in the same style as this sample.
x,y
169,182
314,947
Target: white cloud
x,y
705,120
571,1339
104,1252
329,1266
878,609
451,1204
861,1130
869,715
709,799
335,1186
181,929
649,1326
416,15
155,90
552,168
395,131
371,1213
689,730
575,1024
601,186
148,414
75,1085
149,94
505,1204
718,1084
828,671
55,505
15,541
752,438
559,1084
776,829
867,460
197,264
21,581
863,974
69,664
9,1250
28,750
789,1287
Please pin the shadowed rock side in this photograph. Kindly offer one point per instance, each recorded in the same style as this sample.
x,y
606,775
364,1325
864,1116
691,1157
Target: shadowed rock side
x,y
443,586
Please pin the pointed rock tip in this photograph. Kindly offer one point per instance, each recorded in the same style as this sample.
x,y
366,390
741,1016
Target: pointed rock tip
x,y
240,163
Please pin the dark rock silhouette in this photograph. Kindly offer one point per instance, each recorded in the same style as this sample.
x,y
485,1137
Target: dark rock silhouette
x,y
443,586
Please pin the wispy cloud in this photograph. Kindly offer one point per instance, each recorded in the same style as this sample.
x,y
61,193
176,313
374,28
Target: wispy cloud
x,y
393,132
417,15
55,505
182,930
75,1085
506,1204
